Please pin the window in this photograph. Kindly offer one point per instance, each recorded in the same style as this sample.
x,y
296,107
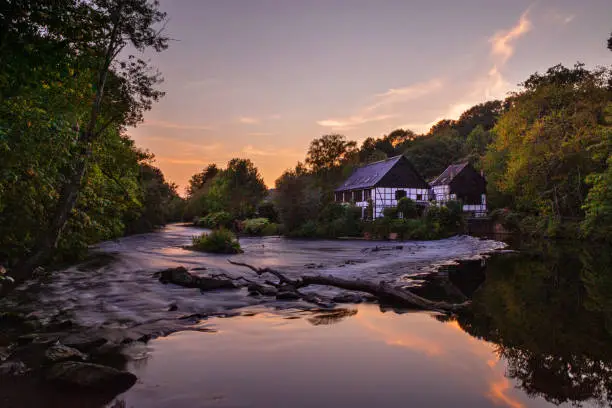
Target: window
x,y
399,194
347,196
338,197
419,197
367,195
357,196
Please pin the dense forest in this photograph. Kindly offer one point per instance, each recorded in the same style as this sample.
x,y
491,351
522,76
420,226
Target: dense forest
x,y
70,86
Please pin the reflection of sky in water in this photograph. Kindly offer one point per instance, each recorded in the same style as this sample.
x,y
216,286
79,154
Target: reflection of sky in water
x,y
369,359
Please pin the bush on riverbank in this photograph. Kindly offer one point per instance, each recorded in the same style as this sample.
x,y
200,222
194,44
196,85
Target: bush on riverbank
x,y
435,223
219,241
335,220
220,219
260,227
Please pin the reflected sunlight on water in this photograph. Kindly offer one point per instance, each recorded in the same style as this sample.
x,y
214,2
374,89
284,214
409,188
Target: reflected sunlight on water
x,y
369,358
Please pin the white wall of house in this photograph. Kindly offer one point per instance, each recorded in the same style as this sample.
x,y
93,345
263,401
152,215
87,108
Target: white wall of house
x,y
384,197
442,195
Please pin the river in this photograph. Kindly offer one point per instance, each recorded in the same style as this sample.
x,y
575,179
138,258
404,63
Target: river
x,y
538,333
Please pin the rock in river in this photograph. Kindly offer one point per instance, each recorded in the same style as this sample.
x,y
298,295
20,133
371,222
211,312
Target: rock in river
x,y
91,376
180,276
59,352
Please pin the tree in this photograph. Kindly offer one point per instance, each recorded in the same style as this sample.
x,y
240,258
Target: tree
x,y
238,189
296,197
544,144
121,91
199,180
329,152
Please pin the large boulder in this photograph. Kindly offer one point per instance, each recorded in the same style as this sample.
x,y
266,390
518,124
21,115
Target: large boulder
x,y
181,276
90,376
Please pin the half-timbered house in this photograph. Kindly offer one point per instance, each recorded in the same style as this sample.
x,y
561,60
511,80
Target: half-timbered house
x,y
384,183
461,182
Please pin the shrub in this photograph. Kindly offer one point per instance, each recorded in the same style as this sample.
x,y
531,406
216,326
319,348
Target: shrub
x,y
306,230
272,229
390,212
337,220
219,241
266,209
255,226
221,219
407,208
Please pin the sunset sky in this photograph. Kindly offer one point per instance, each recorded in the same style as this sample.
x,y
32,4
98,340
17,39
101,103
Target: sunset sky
x,y
262,78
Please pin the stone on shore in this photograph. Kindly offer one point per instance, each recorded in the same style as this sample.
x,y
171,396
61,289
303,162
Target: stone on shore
x,y
90,376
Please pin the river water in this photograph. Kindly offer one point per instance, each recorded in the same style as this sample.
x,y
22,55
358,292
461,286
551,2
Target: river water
x,y
538,334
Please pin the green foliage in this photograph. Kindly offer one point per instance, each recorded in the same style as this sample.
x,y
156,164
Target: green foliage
x,y
407,208
257,226
390,212
219,241
544,145
266,209
238,190
309,229
445,218
598,206
329,152
220,219
297,197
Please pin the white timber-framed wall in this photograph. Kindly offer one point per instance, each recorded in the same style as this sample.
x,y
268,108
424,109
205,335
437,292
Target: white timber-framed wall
x,y
442,195
385,197
382,197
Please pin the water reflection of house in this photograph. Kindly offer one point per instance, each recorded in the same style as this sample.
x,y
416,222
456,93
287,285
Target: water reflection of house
x,y
385,182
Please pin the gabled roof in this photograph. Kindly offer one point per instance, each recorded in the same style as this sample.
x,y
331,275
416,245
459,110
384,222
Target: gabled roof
x,y
371,174
449,174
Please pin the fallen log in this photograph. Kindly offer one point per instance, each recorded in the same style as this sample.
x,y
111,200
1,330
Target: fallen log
x,y
396,295
384,291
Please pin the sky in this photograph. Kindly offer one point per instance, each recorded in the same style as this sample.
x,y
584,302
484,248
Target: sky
x,y
260,79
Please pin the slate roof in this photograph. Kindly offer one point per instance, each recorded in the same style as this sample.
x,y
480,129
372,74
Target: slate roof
x,y
369,175
449,174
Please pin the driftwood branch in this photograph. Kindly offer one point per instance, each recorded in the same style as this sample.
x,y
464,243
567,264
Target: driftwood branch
x,y
260,271
383,291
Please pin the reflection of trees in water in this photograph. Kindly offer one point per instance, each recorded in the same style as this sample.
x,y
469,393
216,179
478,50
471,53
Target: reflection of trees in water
x,y
331,316
550,316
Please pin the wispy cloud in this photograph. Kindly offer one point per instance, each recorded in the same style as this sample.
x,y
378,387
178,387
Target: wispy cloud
x,y
560,17
393,96
502,43
250,150
173,125
352,121
490,85
260,134
249,120
411,92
